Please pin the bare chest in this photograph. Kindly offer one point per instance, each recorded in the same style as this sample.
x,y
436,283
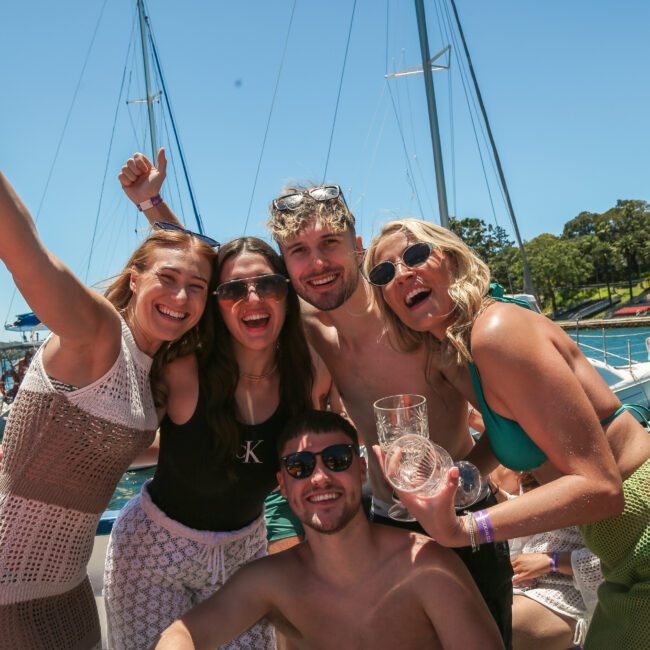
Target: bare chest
x,y
369,616
368,368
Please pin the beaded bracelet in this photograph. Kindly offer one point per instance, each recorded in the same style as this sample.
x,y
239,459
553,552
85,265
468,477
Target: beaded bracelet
x,y
473,534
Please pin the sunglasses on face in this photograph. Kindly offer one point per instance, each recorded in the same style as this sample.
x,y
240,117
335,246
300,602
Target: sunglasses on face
x,y
164,225
321,193
336,458
268,287
413,255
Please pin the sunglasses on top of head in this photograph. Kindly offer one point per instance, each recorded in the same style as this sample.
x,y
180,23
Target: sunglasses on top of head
x,y
414,255
172,227
272,286
336,458
320,193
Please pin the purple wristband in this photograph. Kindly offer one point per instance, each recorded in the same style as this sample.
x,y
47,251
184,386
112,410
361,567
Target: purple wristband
x,y
555,562
485,530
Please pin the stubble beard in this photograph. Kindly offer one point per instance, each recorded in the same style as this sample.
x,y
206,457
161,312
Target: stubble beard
x,y
330,302
344,519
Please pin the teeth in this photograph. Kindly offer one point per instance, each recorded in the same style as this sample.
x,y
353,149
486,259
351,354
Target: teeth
x,y
250,317
171,313
414,292
324,280
324,497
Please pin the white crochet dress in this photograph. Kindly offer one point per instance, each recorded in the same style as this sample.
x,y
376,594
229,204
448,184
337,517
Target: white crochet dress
x,y
573,597
64,453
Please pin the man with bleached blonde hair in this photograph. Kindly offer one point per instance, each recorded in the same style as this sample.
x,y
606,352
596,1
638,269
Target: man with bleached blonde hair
x,y
315,230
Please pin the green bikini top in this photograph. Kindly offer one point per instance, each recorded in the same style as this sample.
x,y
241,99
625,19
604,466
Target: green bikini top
x,y
512,446
510,443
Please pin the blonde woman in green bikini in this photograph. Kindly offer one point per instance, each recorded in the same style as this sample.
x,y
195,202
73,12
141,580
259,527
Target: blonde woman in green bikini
x,y
545,409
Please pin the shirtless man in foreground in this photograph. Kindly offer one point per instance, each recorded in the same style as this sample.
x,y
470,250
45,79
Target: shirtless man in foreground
x,y
315,232
352,584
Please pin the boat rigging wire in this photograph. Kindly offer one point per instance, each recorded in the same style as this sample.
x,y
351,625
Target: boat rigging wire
x,y
268,119
108,157
528,283
444,38
445,19
468,100
63,131
416,158
338,96
409,173
165,94
180,208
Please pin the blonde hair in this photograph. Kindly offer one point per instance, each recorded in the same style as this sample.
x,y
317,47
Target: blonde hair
x,y
120,294
468,290
286,224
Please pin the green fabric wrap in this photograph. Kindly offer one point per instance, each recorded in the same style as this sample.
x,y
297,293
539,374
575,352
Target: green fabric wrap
x,y
622,616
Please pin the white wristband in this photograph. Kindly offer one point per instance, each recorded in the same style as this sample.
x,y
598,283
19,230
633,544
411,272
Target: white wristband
x,y
149,203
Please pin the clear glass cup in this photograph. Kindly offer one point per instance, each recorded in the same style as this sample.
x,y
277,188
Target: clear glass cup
x,y
417,465
397,416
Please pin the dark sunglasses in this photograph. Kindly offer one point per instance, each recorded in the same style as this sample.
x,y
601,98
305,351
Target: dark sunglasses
x,y
164,225
268,287
321,193
413,255
335,457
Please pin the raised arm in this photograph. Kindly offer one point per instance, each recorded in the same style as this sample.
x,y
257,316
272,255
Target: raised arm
x,y
79,316
239,604
141,181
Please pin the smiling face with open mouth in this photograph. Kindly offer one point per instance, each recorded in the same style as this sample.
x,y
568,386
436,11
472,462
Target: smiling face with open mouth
x,y
255,322
169,296
418,295
326,500
323,265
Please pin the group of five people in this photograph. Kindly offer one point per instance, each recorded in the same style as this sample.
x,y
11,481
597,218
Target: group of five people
x,y
215,345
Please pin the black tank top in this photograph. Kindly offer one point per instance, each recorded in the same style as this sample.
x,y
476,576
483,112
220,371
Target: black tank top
x,y
191,487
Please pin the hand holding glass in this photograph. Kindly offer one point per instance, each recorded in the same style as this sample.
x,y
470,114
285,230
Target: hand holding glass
x,y
417,465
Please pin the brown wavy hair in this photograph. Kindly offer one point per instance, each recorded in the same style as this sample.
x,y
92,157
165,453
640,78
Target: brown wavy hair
x,y
286,224
219,371
469,289
119,294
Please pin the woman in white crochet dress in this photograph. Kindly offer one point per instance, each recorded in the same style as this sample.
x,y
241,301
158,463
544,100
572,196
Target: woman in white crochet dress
x,y
83,412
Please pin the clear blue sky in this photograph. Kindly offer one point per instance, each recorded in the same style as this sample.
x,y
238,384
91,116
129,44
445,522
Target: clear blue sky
x,y
566,85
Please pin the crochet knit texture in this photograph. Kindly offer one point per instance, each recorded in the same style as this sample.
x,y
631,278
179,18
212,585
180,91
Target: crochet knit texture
x,y
64,453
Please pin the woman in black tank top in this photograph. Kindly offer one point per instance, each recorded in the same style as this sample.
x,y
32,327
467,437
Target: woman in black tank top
x,y
217,463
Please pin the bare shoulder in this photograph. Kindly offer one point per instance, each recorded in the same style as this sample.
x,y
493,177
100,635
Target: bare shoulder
x,y
414,551
180,370
276,571
313,319
428,554
322,380
504,330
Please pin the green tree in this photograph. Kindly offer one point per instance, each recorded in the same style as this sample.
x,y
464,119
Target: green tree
x,y
486,240
629,224
556,265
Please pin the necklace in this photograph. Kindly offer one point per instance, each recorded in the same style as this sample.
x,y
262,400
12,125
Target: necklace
x,y
264,375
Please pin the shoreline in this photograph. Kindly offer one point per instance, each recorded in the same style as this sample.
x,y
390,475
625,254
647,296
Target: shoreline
x,y
599,323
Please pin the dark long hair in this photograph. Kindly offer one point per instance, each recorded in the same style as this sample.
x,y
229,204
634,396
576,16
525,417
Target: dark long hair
x,y
218,369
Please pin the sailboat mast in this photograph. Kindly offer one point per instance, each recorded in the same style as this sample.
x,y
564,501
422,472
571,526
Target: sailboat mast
x,y
528,280
433,114
147,80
